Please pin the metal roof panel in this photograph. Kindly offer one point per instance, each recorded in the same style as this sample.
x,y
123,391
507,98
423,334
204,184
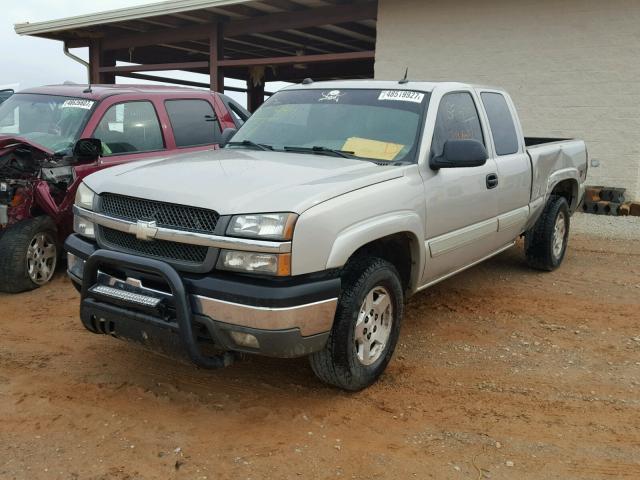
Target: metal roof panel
x,y
120,15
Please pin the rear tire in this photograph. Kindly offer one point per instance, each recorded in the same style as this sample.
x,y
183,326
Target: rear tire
x,y
546,242
366,326
28,255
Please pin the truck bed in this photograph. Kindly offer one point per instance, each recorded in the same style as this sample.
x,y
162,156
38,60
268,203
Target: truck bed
x,y
554,160
533,141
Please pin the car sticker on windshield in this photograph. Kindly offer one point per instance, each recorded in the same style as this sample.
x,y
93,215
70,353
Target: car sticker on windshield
x,y
401,96
332,96
78,103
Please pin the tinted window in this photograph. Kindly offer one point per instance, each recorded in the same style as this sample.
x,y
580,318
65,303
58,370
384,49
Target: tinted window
x,y
130,127
502,128
457,120
238,114
194,122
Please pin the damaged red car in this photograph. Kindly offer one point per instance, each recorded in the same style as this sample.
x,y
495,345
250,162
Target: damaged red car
x,y
52,137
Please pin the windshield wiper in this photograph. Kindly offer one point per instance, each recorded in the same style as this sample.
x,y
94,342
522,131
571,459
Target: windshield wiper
x,y
322,150
249,143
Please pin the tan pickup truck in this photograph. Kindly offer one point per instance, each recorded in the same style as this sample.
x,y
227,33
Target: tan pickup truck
x,y
305,235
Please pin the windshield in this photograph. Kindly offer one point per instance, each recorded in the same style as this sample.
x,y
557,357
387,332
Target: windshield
x,y
381,125
51,121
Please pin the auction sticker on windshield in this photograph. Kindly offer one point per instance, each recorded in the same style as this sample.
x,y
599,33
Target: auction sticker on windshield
x,y
401,96
78,103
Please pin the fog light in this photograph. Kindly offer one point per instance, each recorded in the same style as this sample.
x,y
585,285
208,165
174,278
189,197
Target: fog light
x,y
245,339
83,227
75,265
254,262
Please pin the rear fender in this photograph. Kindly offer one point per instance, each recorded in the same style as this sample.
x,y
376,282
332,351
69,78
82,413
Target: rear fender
x,y
537,206
573,175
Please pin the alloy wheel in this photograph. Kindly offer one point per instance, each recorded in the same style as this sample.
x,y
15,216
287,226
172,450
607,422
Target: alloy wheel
x,y
373,327
42,255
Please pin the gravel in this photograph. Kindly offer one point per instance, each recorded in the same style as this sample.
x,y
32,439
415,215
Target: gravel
x,y
623,228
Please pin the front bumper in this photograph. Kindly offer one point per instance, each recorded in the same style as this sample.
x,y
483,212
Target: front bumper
x,y
272,317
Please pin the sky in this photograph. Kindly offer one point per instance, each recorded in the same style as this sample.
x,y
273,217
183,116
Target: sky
x,y
29,61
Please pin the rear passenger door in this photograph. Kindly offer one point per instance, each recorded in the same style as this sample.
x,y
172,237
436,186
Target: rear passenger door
x,y
513,165
194,123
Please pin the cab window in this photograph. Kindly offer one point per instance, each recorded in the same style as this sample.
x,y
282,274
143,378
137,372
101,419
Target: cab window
x,y
130,127
457,120
503,129
194,122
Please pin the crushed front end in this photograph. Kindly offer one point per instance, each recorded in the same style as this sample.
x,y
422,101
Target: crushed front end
x,y
32,182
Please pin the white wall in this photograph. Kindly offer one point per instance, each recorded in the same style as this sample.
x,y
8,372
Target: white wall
x,y
572,66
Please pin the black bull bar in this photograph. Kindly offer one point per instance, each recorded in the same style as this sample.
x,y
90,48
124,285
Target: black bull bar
x,y
180,300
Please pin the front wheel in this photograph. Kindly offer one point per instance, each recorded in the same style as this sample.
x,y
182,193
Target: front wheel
x,y
366,326
28,255
546,242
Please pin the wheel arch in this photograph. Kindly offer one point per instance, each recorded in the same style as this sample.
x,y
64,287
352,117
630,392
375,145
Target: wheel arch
x,y
565,185
394,237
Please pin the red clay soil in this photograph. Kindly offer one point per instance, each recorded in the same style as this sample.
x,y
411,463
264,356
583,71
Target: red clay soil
x,y
502,373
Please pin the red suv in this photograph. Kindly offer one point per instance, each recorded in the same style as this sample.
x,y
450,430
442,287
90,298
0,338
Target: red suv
x,y
45,153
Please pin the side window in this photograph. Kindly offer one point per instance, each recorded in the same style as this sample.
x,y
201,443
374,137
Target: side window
x,y
130,127
194,122
457,120
503,129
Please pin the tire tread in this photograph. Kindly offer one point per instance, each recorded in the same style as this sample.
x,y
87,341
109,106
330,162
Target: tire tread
x,y
327,364
14,277
538,238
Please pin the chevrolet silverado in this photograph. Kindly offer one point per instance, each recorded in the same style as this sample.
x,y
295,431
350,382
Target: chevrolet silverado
x,y
305,235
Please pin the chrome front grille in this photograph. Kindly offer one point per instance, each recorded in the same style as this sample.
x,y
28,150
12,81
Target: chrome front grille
x,y
169,215
161,249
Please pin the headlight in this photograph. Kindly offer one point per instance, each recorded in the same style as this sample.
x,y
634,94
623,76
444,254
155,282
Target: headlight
x,y
265,226
84,199
85,196
254,262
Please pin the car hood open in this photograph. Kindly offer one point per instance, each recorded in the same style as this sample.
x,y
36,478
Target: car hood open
x,y
233,181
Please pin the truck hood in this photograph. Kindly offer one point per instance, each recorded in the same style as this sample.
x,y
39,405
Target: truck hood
x,y
233,181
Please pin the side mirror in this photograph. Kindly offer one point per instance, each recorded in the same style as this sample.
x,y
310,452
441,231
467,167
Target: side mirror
x,y
88,149
227,135
460,153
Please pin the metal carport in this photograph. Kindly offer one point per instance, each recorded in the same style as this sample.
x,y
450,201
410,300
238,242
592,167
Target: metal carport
x,y
255,41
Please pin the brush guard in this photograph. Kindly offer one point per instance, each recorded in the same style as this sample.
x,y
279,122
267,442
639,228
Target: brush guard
x,y
103,307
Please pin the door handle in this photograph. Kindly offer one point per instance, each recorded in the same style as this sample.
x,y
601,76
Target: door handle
x,y
492,180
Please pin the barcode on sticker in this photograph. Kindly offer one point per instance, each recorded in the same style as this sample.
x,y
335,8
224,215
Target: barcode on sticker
x,y
78,103
401,96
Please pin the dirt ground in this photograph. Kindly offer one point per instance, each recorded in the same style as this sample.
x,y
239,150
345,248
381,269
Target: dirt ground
x,y
502,373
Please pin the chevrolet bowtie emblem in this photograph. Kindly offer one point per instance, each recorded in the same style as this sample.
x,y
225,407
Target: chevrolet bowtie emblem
x,y
145,231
